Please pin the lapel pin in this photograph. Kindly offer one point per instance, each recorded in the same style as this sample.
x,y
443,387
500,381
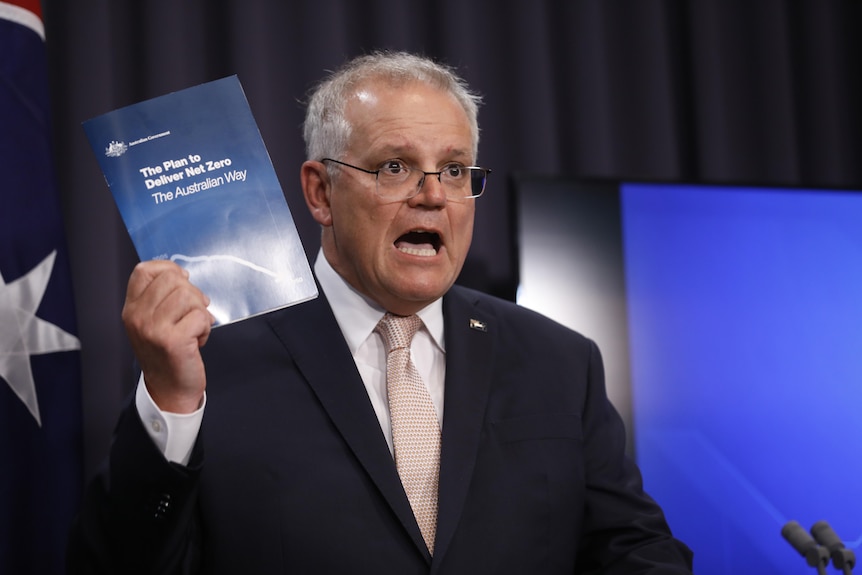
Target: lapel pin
x,y
478,325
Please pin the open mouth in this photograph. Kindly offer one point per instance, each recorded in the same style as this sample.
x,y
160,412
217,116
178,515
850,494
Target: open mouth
x,y
419,243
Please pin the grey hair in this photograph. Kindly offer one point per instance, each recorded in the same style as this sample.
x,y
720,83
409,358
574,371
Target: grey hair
x,y
327,131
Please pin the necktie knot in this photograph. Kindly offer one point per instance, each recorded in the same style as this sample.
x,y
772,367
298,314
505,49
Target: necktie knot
x,y
397,330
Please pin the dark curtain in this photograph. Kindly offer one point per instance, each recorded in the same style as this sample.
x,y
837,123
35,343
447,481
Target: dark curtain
x,y
760,92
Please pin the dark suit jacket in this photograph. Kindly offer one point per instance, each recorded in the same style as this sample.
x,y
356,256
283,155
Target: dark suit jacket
x,y
291,472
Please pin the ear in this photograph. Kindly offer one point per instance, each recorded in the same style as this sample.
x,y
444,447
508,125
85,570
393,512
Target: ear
x,y
315,189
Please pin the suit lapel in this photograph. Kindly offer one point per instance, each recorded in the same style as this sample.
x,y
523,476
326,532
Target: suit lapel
x,y
470,343
324,359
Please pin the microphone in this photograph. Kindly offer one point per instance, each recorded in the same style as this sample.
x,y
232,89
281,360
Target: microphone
x,y
842,558
815,555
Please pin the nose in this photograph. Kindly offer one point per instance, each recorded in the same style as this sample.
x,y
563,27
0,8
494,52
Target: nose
x,y
429,190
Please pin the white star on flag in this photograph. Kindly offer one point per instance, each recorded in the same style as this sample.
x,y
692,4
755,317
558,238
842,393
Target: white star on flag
x,y
22,334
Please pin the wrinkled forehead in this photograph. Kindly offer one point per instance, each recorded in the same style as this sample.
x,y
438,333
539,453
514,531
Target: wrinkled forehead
x,y
367,93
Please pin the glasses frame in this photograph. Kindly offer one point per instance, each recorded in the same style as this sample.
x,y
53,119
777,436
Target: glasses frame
x,y
376,174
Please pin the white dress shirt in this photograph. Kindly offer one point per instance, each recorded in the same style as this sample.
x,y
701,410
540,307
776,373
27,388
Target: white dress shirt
x,y
357,316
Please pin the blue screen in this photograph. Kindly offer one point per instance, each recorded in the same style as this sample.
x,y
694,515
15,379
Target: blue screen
x,y
745,340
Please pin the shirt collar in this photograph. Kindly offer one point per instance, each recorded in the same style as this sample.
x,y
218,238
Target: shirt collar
x,y
357,315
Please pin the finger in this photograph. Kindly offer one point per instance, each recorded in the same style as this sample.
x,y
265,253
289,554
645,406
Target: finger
x,y
146,272
197,323
160,293
172,301
156,317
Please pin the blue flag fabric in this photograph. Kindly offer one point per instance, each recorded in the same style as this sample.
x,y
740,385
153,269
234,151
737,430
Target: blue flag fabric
x,y
40,387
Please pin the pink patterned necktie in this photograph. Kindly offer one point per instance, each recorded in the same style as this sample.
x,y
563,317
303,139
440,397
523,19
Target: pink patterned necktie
x,y
415,429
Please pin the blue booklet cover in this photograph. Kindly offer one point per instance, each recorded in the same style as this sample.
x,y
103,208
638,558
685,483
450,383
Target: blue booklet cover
x,y
194,184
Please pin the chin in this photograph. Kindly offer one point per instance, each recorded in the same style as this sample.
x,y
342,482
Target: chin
x,y
423,293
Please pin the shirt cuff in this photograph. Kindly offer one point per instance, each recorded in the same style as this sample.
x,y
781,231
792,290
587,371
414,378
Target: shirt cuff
x,y
173,433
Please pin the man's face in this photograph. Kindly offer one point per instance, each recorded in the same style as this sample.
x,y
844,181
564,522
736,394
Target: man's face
x,y
403,254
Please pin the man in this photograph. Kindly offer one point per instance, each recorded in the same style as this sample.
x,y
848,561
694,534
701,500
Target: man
x,y
277,445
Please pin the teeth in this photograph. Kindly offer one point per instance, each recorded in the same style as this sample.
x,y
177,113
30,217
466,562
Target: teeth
x,y
418,252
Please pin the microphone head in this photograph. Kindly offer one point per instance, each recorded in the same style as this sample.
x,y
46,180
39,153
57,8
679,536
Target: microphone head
x,y
826,536
814,554
798,537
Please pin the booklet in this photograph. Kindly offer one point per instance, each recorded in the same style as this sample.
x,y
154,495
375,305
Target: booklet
x,y
194,184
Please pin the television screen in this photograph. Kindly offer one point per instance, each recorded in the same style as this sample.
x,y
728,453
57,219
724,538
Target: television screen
x,y
739,368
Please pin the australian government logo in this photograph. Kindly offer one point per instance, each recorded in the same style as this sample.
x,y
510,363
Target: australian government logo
x,y
116,149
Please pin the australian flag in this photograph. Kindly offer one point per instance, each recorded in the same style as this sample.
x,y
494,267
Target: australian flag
x,y
40,391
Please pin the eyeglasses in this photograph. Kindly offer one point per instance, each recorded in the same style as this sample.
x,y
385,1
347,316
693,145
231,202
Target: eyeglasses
x,y
396,181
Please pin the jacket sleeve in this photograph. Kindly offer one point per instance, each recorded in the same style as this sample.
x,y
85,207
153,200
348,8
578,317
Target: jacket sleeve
x,y
138,514
624,530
